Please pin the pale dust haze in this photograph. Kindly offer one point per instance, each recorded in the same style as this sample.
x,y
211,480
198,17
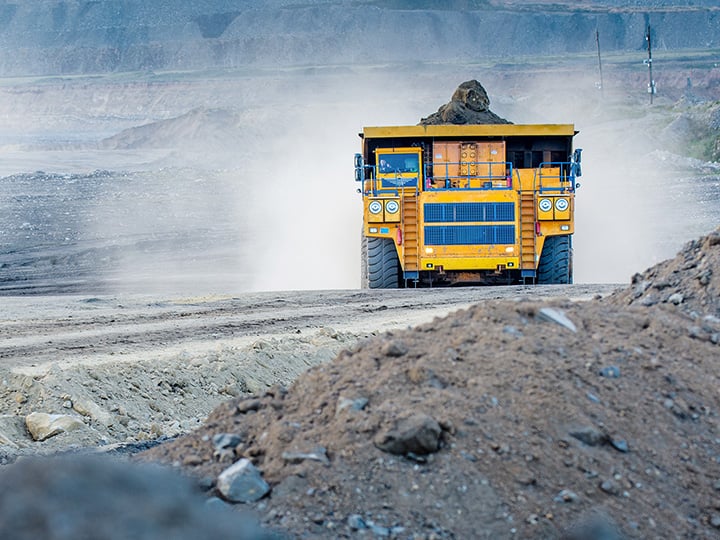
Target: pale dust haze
x,y
627,214
306,214
245,183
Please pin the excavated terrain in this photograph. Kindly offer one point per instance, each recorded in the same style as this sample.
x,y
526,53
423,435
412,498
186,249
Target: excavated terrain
x,y
515,419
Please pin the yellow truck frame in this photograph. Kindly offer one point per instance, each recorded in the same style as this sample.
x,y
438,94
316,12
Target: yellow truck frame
x,y
453,204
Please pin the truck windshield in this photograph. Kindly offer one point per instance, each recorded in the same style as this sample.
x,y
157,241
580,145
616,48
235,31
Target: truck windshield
x,y
398,163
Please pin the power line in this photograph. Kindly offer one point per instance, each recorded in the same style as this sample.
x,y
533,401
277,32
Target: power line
x,y
651,84
597,40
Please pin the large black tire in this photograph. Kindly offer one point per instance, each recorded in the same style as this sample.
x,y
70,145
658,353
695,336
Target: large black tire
x,y
556,261
380,265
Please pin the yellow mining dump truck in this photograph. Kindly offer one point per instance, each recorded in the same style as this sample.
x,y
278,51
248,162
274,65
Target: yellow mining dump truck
x,y
454,204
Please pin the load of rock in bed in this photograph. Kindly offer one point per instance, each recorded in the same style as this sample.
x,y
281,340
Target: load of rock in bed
x,y
469,104
506,420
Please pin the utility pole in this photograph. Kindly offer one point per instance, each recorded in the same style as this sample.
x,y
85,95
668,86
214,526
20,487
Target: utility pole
x,y
597,40
651,84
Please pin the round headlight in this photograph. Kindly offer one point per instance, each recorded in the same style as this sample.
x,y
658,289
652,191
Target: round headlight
x,y
545,205
561,204
375,207
392,207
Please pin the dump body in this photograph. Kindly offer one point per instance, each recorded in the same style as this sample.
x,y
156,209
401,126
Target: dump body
x,y
467,203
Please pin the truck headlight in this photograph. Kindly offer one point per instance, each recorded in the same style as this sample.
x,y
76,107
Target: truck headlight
x,y
392,207
545,205
561,204
375,207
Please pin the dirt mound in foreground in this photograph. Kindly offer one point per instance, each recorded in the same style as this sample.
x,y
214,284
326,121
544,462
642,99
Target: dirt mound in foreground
x,y
506,420
469,104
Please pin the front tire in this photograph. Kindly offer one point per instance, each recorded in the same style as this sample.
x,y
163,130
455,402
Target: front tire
x,y
380,264
555,265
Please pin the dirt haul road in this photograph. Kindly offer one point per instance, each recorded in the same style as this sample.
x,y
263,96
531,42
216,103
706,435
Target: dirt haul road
x,y
137,368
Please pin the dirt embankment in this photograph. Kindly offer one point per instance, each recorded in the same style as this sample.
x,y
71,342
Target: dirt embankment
x,y
506,420
63,37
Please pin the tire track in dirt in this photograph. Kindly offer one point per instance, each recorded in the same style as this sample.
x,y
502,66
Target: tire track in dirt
x,y
37,330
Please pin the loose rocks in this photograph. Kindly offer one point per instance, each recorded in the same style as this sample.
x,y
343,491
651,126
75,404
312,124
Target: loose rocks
x,y
530,423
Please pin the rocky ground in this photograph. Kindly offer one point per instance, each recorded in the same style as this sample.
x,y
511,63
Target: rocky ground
x,y
110,372
527,417
518,419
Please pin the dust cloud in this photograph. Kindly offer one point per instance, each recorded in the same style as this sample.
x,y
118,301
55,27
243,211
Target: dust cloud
x,y
253,196
628,215
244,182
306,214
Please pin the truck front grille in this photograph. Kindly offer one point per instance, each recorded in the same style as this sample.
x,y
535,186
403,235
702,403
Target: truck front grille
x,y
469,235
467,212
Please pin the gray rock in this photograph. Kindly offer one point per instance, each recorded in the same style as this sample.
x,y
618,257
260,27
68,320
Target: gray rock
x,y
344,403
395,348
225,441
356,522
319,453
42,426
715,521
89,408
242,482
611,372
609,487
589,436
377,530
697,332
640,288
676,298
248,405
620,445
417,433
566,496
649,300
556,316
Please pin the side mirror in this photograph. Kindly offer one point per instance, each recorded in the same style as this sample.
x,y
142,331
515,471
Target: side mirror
x,y
577,155
359,161
359,176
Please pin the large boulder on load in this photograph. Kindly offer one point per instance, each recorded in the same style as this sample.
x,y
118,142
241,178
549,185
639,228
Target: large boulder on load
x,y
469,104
